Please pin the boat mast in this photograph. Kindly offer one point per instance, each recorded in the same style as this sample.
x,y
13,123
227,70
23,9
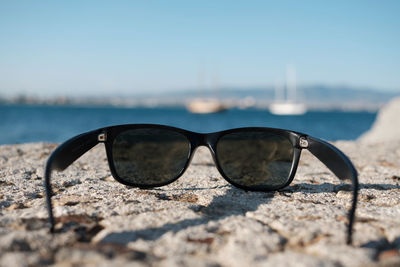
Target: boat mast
x,y
291,83
279,91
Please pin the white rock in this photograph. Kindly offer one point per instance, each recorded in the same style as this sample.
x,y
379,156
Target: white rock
x,y
387,125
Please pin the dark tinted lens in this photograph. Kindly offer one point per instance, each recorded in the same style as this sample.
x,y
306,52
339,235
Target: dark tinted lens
x,y
258,159
150,156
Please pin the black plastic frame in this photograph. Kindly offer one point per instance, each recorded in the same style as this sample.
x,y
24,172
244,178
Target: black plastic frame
x,y
65,154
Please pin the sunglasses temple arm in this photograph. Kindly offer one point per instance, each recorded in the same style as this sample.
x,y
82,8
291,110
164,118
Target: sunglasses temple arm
x,y
63,156
341,166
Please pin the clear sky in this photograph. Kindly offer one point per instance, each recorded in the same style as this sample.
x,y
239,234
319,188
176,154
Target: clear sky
x,y
128,47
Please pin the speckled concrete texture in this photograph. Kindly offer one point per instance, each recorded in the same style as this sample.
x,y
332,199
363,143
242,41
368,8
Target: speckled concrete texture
x,y
200,219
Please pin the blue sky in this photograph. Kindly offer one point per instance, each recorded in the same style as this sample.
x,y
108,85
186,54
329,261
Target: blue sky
x,y
129,47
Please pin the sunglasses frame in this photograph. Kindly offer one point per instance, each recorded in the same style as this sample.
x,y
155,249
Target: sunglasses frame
x,y
66,153
196,140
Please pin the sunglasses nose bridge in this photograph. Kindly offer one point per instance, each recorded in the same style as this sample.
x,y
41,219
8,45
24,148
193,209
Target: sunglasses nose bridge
x,y
206,140
201,139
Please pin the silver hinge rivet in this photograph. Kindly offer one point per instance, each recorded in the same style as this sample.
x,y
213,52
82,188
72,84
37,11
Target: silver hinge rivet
x,y
303,142
102,137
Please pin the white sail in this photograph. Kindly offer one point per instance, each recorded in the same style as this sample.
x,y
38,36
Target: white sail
x,y
286,101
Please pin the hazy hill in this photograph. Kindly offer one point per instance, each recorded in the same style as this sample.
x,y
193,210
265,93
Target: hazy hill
x,y
316,97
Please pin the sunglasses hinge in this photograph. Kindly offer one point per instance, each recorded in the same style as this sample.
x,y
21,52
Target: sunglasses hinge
x,y
303,142
102,137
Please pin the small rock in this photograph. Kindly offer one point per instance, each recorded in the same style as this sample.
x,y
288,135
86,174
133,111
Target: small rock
x,y
19,245
191,198
17,206
208,240
395,177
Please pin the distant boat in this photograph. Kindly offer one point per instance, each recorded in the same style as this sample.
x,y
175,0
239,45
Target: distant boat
x,y
287,108
285,100
205,106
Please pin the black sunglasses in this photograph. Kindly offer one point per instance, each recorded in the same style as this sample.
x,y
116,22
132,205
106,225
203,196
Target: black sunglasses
x,y
254,158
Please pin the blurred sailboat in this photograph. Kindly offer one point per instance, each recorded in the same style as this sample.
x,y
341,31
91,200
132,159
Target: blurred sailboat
x,y
286,100
206,105
287,108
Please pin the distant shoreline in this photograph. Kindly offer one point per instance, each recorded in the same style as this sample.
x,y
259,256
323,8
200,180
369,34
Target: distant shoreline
x,y
163,103
317,98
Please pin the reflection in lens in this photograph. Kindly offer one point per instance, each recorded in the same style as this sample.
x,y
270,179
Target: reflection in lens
x,y
256,159
150,156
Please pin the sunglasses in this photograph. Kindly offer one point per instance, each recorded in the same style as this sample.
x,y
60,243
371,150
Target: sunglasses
x,y
253,158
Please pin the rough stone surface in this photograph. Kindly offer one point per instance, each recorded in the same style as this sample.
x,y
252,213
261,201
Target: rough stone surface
x,y
200,219
387,125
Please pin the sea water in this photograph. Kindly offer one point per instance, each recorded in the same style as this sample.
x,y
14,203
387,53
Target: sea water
x,y
24,123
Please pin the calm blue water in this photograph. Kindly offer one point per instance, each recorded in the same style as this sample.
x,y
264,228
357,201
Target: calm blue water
x,y
22,124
